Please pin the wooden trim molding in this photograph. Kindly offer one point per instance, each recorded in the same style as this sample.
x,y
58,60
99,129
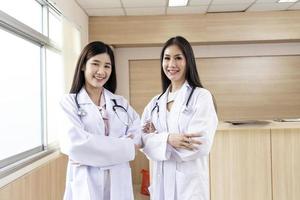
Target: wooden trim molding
x,y
212,28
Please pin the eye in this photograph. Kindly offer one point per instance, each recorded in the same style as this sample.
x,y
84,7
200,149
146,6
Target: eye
x,y
107,66
178,58
166,58
95,64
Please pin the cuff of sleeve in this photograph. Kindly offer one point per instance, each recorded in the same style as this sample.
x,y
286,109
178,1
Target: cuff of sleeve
x,y
165,137
131,149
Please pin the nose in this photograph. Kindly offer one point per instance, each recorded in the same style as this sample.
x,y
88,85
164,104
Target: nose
x,y
100,70
172,62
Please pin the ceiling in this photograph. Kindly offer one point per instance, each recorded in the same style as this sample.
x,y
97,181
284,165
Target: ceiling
x,y
160,7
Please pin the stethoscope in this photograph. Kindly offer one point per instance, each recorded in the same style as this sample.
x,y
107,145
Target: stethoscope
x,y
81,112
156,106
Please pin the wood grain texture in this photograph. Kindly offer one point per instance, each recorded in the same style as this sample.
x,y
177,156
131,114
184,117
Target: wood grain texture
x,y
286,164
240,165
46,182
245,88
253,87
144,82
198,29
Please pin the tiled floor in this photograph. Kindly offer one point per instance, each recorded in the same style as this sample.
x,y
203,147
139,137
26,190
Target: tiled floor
x,y
137,194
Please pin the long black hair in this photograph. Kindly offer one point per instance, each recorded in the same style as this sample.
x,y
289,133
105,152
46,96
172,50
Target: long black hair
x,y
191,74
89,51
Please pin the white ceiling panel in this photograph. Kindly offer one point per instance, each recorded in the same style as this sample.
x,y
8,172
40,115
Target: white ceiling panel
x,y
187,10
266,1
99,3
269,6
296,6
228,7
144,3
159,7
199,2
145,11
230,2
106,12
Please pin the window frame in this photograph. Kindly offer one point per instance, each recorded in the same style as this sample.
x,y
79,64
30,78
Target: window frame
x,y
13,26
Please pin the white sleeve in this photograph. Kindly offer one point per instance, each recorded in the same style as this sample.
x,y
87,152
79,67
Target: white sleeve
x,y
204,121
87,148
135,126
155,144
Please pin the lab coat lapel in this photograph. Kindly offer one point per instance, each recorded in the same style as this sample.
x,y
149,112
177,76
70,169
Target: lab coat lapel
x,y
93,114
108,100
177,108
112,118
163,110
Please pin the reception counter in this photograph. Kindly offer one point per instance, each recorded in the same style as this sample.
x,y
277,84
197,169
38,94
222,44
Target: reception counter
x,y
256,161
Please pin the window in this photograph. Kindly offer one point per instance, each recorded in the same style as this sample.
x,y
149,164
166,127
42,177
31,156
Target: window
x,y
28,12
55,28
21,99
31,79
55,89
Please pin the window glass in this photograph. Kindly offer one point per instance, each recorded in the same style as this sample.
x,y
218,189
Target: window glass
x,y
55,28
55,90
20,102
28,12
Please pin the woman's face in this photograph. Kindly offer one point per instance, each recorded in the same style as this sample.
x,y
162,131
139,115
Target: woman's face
x,y
174,64
97,71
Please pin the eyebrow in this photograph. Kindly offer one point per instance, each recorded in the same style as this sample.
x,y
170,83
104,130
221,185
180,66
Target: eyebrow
x,y
180,54
98,61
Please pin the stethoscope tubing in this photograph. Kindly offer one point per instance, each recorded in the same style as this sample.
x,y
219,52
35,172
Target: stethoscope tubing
x,y
82,113
156,106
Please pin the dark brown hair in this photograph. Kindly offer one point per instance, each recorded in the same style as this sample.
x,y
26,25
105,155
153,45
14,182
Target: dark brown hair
x,y
89,51
191,75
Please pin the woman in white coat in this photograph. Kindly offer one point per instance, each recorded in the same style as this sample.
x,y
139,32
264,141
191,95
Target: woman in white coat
x,y
100,130
179,127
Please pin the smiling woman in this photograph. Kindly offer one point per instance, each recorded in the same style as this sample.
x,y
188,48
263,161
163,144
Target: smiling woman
x,y
100,130
178,136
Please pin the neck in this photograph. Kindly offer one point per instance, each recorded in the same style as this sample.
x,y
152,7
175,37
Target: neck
x,y
94,94
176,85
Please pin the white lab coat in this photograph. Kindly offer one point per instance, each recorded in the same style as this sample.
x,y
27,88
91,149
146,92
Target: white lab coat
x,y
91,152
180,174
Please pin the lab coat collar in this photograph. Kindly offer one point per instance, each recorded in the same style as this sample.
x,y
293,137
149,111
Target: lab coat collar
x,y
84,98
179,105
184,86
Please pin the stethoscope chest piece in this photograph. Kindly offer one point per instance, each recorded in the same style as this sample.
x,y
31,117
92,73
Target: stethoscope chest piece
x,y
81,112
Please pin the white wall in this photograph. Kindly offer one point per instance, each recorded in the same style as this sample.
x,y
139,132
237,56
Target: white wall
x,y
73,13
75,35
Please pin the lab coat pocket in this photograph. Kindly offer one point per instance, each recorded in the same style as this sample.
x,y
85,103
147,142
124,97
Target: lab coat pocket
x,y
118,130
188,186
185,118
79,184
121,182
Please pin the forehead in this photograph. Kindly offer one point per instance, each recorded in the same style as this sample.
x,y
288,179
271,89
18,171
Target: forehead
x,y
102,57
173,50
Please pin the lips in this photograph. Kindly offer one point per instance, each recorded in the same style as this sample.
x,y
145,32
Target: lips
x,y
172,71
98,78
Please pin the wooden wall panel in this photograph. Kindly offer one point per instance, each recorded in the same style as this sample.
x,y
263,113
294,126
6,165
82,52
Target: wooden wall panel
x,y
286,164
240,165
253,87
144,82
46,182
198,29
244,87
